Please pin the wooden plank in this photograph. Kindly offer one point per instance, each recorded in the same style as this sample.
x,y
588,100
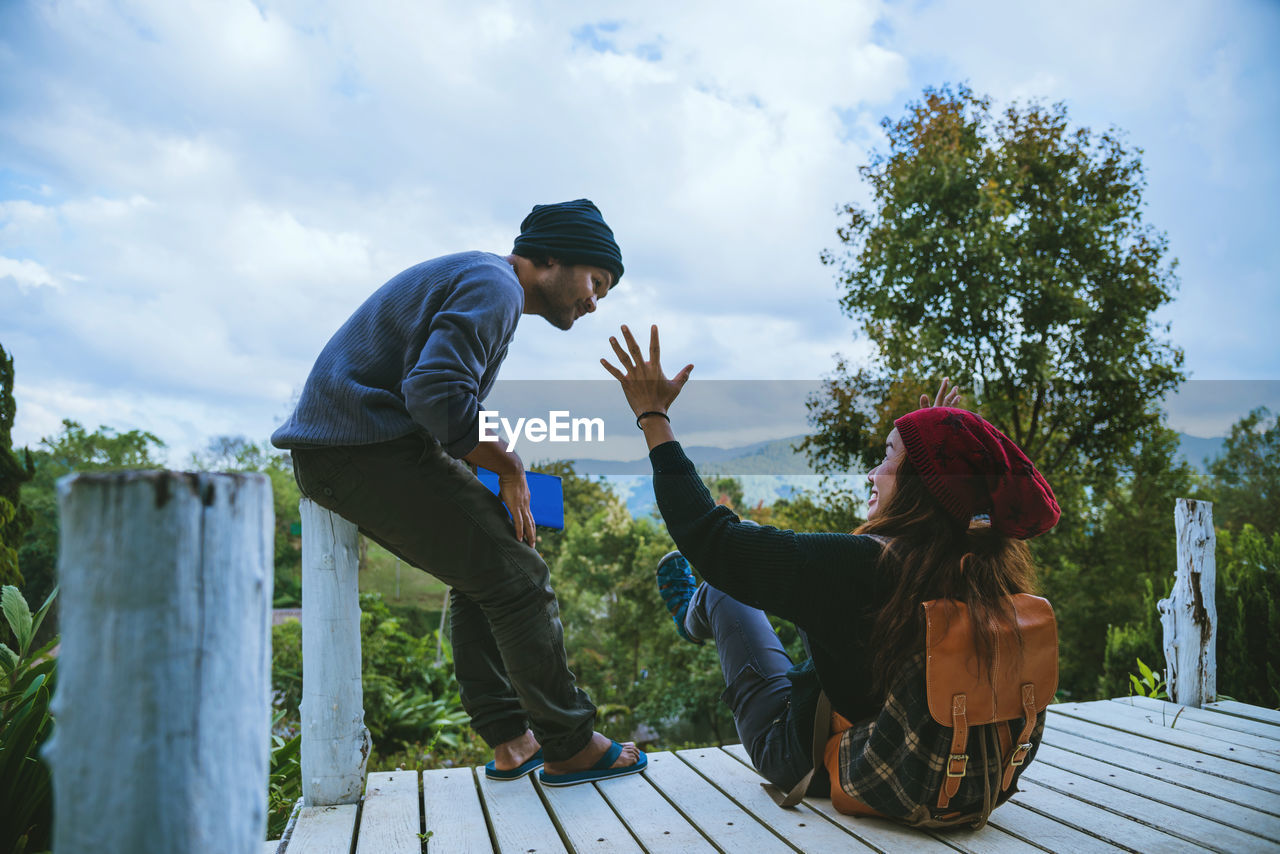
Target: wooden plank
x,y
1174,821
1095,821
585,818
1162,769
879,833
453,814
1187,757
517,817
1244,710
1208,716
1169,717
1049,833
804,828
1114,715
989,839
390,819
722,821
651,819
886,835
324,830
1153,789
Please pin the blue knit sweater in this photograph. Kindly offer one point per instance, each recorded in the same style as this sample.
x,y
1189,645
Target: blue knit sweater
x,y
420,354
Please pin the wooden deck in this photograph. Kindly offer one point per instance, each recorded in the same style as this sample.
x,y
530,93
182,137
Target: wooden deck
x,y
1113,775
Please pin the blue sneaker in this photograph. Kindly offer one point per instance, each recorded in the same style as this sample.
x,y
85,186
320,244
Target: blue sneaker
x,y
676,584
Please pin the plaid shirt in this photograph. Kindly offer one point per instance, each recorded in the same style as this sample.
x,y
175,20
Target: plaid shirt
x,y
896,761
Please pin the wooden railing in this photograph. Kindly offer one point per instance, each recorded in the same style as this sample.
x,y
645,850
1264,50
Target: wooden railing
x,y
164,700
1189,616
335,742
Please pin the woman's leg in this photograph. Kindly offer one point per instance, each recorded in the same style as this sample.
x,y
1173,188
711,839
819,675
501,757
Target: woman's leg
x,y
757,690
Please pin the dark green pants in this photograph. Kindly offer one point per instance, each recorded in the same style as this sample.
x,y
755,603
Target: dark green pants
x,y
432,512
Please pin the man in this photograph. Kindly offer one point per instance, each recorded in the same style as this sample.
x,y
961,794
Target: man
x,y
391,407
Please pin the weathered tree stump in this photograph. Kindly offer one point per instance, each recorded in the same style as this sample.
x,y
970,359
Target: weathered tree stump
x,y
1189,616
335,742
164,673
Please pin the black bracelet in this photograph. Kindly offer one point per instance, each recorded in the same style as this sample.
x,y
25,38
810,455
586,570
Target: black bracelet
x,y
651,412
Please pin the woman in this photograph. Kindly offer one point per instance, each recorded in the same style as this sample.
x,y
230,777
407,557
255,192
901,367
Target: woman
x,y
855,597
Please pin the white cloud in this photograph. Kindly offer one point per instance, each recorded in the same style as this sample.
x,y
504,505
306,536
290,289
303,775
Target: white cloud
x,y
26,273
213,187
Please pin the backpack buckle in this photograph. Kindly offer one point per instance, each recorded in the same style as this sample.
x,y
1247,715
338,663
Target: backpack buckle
x,y
952,759
1020,754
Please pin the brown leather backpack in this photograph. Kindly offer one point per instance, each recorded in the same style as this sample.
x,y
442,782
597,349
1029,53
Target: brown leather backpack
x,y
943,749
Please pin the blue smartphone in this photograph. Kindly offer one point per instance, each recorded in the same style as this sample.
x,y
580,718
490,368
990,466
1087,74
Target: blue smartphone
x,y
546,496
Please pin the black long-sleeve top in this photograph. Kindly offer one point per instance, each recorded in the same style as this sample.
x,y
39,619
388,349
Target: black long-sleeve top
x,y
827,584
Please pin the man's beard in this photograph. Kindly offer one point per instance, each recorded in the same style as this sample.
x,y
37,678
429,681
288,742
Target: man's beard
x,y
563,319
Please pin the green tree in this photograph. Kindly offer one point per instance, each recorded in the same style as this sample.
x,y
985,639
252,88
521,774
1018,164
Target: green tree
x,y
1009,253
1248,599
1129,544
584,497
1246,475
14,471
726,490
828,508
73,450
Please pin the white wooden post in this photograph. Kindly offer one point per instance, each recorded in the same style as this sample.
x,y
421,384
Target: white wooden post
x,y
164,675
335,742
1189,616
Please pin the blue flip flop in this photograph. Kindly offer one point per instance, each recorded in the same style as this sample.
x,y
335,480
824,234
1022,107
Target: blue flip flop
x,y
533,763
599,771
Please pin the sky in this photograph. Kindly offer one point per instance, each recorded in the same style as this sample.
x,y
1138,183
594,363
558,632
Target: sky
x,y
195,195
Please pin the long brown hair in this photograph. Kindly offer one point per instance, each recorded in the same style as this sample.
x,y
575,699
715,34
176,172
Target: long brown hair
x,y
932,555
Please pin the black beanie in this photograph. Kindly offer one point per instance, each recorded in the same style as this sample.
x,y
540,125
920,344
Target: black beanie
x,y
573,233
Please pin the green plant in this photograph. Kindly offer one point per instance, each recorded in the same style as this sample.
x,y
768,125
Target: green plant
x,y
284,784
25,725
1150,685
406,716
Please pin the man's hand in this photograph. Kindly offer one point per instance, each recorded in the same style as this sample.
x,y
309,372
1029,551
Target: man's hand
x,y
513,487
947,396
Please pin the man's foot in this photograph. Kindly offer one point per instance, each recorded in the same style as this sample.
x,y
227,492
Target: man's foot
x,y
588,756
676,584
601,759
512,754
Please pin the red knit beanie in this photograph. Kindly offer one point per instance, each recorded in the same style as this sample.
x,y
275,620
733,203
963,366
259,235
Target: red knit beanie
x,y
971,468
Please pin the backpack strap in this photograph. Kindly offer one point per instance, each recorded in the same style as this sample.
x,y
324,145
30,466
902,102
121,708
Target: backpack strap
x,y
958,760
821,729
1019,753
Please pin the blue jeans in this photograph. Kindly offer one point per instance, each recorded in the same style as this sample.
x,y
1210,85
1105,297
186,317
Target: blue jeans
x,y
757,691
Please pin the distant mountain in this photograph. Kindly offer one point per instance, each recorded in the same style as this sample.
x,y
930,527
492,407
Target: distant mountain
x,y
767,470
1195,450
775,469
774,456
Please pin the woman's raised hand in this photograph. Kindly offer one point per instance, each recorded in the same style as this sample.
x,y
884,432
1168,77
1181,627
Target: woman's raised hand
x,y
947,396
643,382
